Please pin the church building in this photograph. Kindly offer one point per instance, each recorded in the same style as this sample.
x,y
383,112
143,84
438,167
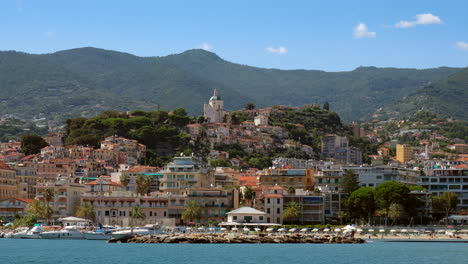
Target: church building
x,y
214,110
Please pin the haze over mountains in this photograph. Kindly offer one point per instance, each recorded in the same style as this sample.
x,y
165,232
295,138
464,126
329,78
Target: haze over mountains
x,y
86,81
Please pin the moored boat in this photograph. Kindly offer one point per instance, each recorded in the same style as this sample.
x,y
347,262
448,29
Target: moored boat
x,y
33,233
69,232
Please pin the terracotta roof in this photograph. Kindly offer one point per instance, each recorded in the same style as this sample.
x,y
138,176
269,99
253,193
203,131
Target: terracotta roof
x,y
273,195
25,200
3,166
109,182
277,187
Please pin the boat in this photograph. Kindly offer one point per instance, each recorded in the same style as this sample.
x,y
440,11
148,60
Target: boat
x,y
99,234
137,231
33,233
68,232
19,231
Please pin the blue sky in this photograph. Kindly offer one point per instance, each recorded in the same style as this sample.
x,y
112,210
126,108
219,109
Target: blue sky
x,y
325,35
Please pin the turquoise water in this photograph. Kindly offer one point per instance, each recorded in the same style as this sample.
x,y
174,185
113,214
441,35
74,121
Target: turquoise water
x,y
82,251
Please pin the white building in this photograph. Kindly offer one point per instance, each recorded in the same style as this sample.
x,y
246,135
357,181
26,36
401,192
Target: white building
x,y
214,110
246,215
261,120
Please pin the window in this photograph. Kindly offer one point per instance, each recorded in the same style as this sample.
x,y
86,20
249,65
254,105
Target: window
x,y
260,218
268,210
107,213
268,200
234,217
278,201
278,210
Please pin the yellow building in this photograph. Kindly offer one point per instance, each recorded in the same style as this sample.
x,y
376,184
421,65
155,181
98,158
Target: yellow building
x,y
404,153
8,186
296,178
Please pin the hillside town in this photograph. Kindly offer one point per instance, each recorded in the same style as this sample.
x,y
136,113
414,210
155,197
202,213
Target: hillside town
x,y
115,177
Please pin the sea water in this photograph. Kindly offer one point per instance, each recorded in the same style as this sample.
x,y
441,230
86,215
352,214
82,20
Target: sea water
x,y
84,251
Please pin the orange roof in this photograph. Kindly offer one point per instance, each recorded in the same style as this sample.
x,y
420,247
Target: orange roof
x,y
25,200
109,182
461,166
273,195
3,166
277,187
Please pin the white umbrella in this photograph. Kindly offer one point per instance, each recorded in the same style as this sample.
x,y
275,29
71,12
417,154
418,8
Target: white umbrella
x,y
370,230
292,230
337,229
304,230
382,230
393,231
359,230
270,230
326,230
349,228
246,229
234,229
404,231
282,230
315,230
257,229
223,229
212,229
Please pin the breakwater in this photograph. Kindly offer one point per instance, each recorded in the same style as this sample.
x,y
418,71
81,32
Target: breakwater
x,y
239,239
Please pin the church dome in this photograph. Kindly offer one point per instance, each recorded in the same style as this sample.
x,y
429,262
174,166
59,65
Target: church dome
x,y
215,95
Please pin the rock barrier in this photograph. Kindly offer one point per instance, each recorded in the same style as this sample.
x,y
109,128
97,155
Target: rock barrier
x,y
239,239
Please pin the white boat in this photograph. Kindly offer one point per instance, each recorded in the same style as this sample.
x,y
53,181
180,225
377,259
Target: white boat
x,y
137,231
19,231
69,232
100,234
33,233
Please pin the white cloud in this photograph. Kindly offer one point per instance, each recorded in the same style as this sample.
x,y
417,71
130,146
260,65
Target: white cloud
x,y
206,46
421,19
462,45
279,50
49,33
361,31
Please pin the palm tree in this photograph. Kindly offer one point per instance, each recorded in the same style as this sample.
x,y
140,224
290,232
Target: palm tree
x,y
248,194
36,208
48,195
191,211
47,213
125,180
341,215
144,184
86,211
136,214
292,211
291,190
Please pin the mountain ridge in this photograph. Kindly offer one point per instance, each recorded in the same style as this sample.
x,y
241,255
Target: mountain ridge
x,y
126,82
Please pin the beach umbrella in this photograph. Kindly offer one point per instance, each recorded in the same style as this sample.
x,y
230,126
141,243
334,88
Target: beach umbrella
x,y
404,231
234,229
223,229
257,229
270,230
305,230
359,230
393,231
201,228
382,230
337,230
246,229
292,230
370,230
282,230
212,229
315,230
326,230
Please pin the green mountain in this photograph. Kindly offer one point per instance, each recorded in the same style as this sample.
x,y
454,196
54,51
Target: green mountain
x,y
85,81
447,98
